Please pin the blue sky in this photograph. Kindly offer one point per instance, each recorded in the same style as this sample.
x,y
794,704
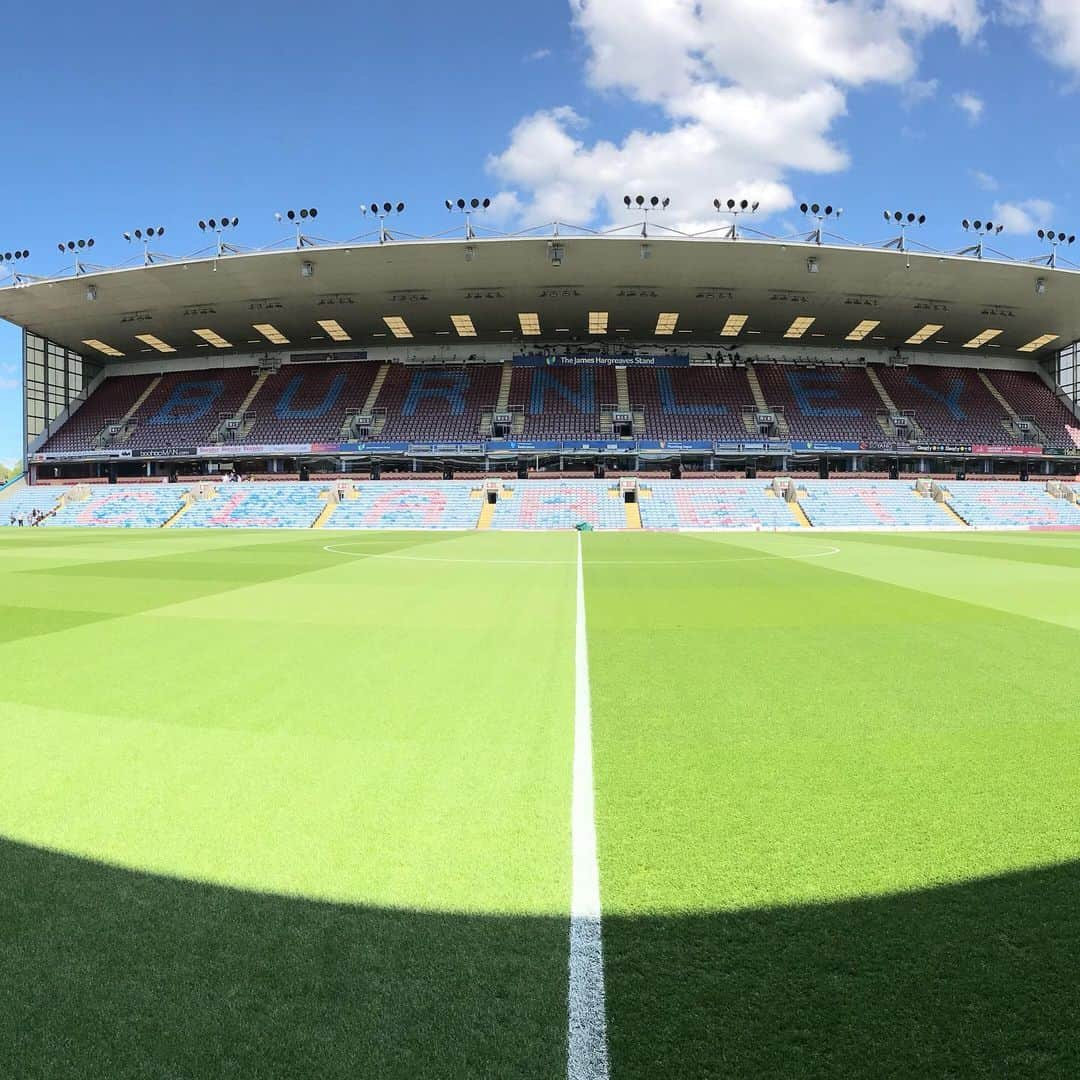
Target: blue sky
x,y
130,116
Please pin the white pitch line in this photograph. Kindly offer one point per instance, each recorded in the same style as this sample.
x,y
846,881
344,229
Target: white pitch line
x,y
587,1056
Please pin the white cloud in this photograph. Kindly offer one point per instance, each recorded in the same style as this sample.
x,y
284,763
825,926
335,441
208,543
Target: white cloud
x,y
984,180
1025,216
971,104
747,91
918,92
10,384
1056,24
538,54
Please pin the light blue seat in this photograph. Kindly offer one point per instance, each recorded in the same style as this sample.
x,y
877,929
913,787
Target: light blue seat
x,y
1013,504
267,504
409,504
25,499
713,504
134,506
560,504
869,504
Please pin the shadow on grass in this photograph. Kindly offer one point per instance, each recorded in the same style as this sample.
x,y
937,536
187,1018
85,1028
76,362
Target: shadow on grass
x,y
111,973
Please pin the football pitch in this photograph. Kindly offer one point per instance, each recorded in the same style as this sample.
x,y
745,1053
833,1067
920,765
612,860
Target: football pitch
x,y
306,804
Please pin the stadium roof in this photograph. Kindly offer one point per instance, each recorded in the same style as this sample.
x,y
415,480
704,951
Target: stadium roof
x,y
678,292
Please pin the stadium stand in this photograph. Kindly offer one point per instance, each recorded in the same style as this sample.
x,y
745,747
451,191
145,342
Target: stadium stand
x,y
560,504
713,504
844,503
437,404
691,403
996,504
951,405
303,403
414,504
825,403
308,403
259,505
112,399
144,507
23,500
562,403
1030,396
551,503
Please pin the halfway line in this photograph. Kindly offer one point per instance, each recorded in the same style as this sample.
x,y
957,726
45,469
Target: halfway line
x,y
587,1057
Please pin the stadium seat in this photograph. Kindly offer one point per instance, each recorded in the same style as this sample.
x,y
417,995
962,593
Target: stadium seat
x,y
1010,504
412,504
842,503
259,505
713,504
146,506
560,504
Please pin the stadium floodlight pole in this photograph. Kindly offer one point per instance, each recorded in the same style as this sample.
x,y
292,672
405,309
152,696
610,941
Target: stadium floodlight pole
x,y
468,207
640,202
145,236
820,214
735,208
382,212
980,229
219,225
905,221
9,258
74,247
297,218
1053,239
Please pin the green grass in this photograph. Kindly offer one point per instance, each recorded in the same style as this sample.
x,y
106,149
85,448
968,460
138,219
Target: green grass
x,y
271,810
